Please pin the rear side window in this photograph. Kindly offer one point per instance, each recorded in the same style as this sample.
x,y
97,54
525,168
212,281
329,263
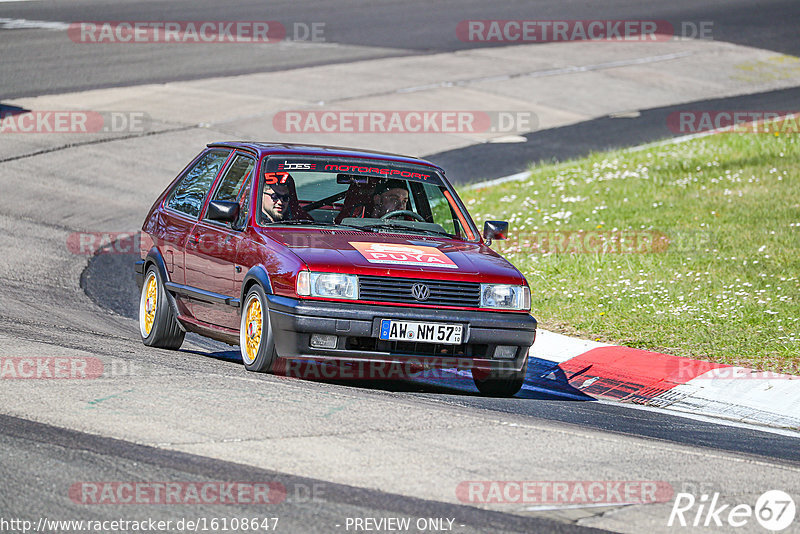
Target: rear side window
x,y
235,185
191,190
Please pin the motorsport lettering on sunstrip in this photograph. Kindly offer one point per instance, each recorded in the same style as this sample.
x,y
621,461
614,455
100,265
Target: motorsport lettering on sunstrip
x,y
350,167
374,170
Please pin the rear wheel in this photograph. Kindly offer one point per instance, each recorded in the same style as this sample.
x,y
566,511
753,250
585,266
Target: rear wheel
x,y
500,382
255,333
157,322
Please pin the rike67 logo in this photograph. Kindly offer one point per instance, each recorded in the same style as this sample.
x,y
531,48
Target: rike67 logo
x,y
775,510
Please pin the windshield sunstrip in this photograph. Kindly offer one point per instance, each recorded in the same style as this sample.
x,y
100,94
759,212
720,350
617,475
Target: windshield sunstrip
x,y
366,168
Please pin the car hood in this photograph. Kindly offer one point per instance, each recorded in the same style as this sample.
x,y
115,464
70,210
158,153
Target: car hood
x,y
411,256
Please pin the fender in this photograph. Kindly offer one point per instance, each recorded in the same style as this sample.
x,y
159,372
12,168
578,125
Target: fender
x,y
258,274
155,258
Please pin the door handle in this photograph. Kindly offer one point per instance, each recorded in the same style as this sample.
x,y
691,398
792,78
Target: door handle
x,y
194,239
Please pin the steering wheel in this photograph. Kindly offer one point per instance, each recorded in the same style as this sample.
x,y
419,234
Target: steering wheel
x,y
411,214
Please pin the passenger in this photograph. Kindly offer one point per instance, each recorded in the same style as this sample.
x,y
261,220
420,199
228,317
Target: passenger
x,y
391,195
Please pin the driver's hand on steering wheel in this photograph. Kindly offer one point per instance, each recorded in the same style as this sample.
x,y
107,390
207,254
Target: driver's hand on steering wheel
x,y
406,213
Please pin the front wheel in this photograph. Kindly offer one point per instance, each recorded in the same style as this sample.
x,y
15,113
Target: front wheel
x,y
500,382
157,322
255,333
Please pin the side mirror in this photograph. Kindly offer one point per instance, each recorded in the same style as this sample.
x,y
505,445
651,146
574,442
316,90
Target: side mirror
x,y
494,230
223,211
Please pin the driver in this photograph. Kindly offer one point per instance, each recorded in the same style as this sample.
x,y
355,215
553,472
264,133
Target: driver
x,y
275,203
391,195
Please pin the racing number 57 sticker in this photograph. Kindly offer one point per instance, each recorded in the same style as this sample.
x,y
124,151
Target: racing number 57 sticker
x,y
272,178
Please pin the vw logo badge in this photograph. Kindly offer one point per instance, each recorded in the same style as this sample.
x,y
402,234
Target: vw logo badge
x,y
420,292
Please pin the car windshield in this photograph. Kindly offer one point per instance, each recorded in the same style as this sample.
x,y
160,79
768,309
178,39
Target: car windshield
x,y
403,201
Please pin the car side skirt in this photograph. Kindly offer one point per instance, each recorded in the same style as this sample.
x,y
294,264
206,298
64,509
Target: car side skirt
x,y
201,294
217,333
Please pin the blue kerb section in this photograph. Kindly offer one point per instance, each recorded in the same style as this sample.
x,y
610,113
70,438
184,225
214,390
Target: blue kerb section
x,y
547,377
538,367
544,377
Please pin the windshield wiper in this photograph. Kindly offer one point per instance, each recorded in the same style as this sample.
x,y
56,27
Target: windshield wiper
x,y
390,226
366,227
300,222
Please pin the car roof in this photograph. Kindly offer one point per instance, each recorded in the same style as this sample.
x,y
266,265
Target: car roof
x,y
267,148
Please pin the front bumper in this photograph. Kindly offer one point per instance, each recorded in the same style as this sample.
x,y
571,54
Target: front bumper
x,y
357,328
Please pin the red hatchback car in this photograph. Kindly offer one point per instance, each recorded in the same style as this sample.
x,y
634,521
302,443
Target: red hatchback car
x,y
321,254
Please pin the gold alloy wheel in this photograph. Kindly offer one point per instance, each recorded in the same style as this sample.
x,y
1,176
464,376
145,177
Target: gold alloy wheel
x,y
150,303
252,328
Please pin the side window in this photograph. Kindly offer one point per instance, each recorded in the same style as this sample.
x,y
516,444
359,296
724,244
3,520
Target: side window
x,y
235,184
189,193
441,212
244,205
231,184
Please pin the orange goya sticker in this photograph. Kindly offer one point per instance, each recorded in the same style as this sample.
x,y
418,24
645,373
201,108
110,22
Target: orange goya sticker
x,y
404,255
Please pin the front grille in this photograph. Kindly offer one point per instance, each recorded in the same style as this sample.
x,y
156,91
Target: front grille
x,y
442,292
409,348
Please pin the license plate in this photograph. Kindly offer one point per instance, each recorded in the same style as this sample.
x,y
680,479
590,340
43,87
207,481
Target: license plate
x,y
449,334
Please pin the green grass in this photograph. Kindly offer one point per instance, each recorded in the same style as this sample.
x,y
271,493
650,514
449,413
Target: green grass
x,y
724,284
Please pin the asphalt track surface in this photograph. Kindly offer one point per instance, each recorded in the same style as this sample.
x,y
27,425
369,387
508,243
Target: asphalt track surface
x,y
355,30
47,457
43,461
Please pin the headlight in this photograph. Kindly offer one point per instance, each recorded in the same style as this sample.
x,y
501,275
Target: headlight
x,y
505,297
328,285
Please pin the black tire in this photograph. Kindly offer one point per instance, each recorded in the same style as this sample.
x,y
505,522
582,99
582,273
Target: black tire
x,y
501,382
258,356
164,331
